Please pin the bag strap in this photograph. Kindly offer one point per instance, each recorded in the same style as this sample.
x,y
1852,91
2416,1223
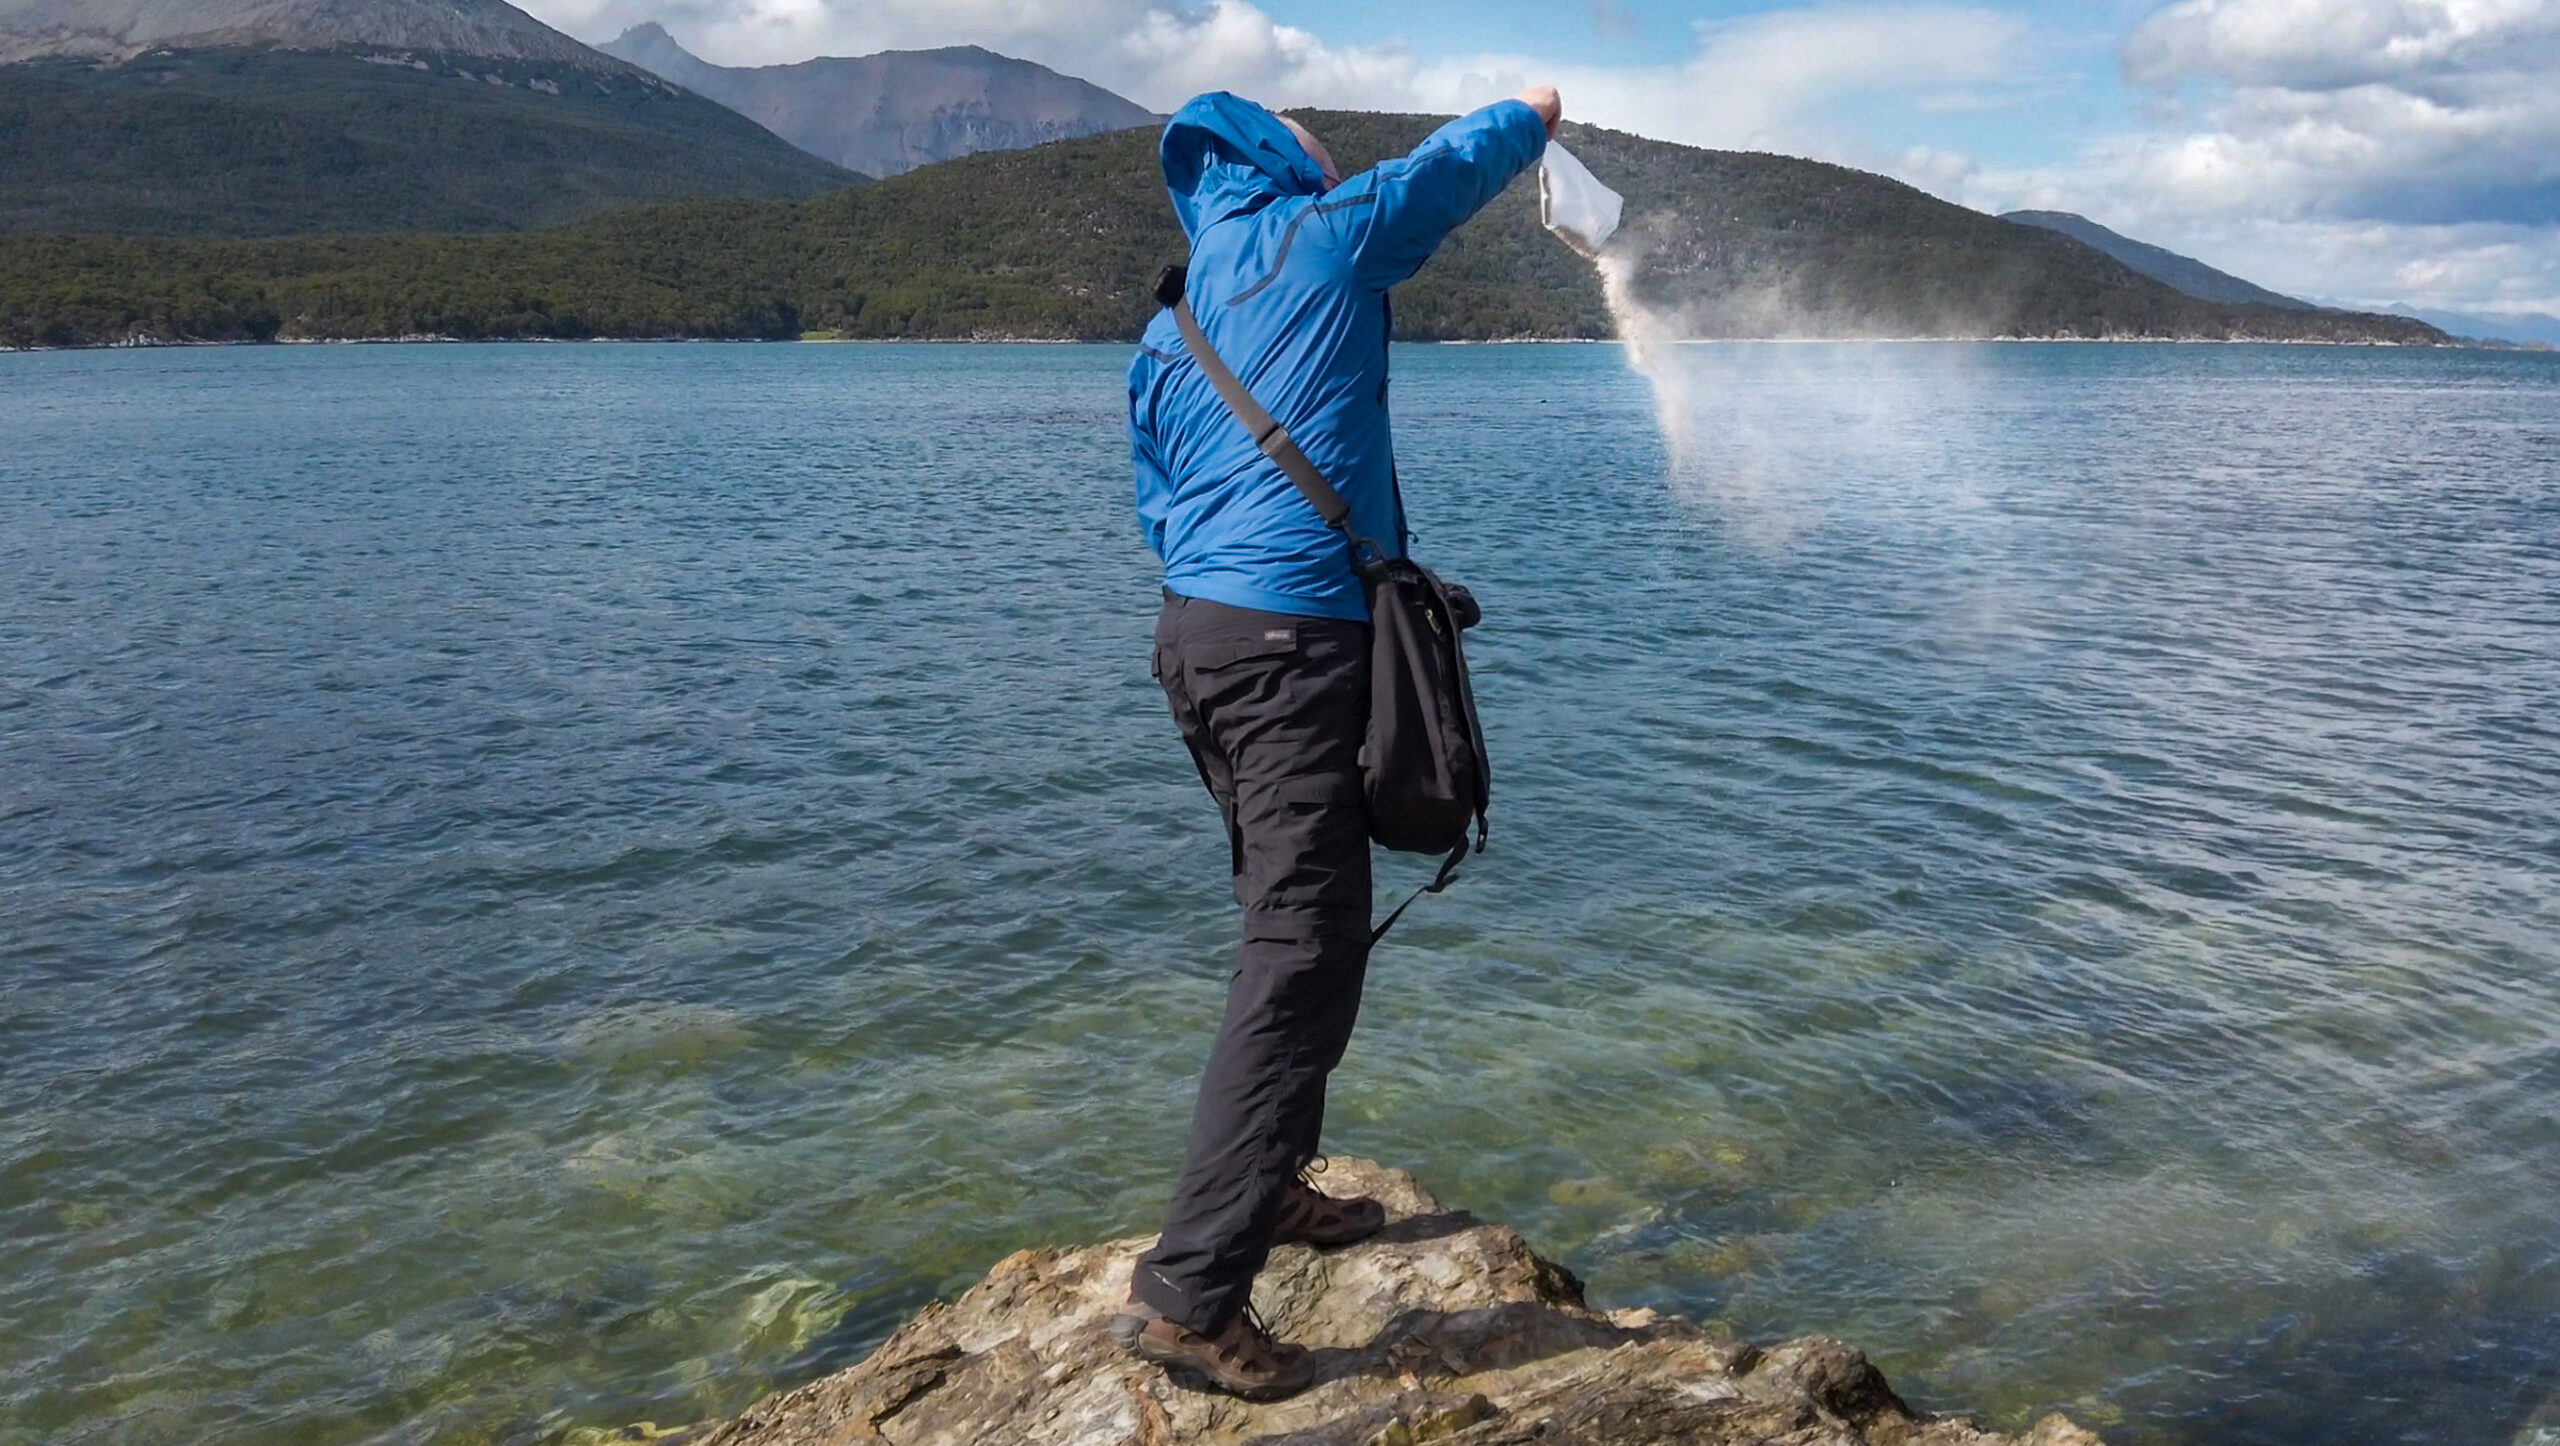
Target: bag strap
x,y
1280,447
1267,433
1448,875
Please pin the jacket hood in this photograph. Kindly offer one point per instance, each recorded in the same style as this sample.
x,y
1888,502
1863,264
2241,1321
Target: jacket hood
x,y
1225,156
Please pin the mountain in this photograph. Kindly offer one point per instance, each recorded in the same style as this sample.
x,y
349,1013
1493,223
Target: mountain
x,y
1062,240
114,30
266,117
2521,328
2159,263
892,112
2199,280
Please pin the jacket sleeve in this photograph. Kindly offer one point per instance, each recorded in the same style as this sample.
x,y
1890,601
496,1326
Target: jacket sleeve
x,y
1419,199
1155,490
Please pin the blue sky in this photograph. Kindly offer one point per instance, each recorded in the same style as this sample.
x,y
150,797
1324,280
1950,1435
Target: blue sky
x,y
2365,151
2075,84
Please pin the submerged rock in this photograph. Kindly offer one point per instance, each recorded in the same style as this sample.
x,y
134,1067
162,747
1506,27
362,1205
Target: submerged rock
x,y
1442,1330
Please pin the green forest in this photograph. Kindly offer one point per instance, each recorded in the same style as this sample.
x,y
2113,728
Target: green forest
x,y
1060,241
281,142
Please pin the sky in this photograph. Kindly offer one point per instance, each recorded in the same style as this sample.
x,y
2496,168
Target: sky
x,y
2366,152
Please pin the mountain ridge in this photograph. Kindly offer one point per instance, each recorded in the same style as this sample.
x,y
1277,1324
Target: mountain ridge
x,y
2524,328
887,113
2185,273
2200,280
119,30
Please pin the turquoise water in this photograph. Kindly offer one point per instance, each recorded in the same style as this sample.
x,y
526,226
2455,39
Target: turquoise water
x,y
551,887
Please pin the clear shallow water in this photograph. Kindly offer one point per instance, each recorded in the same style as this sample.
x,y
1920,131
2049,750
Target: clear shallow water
x,y
552,887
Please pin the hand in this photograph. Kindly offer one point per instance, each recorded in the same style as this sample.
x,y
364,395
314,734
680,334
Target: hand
x,y
1549,106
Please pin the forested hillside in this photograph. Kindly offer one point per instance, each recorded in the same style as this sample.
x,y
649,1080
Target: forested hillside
x,y
1060,242
274,142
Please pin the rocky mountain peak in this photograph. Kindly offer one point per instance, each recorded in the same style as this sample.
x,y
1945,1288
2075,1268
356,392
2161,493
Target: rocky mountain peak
x,y
115,30
891,112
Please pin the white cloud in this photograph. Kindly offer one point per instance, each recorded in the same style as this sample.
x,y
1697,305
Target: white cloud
x,y
2471,266
1771,81
2339,44
2485,266
1155,52
2480,267
2370,151
2430,111
1764,81
1168,55
1945,174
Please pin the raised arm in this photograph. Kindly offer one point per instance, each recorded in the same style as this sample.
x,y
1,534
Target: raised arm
x,y
1416,201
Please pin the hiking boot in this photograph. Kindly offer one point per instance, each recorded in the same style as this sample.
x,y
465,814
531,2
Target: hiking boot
x,y
1308,1216
1241,1360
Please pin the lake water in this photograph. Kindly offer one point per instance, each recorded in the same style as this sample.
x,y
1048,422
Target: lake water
x,y
544,888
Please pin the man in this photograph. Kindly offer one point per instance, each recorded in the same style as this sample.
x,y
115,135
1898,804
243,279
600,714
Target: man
x,y
1263,651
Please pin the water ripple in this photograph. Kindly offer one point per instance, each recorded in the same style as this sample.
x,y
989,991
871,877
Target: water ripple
x,y
552,887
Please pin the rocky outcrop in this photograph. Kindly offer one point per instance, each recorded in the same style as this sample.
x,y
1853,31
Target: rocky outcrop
x,y
1444,1329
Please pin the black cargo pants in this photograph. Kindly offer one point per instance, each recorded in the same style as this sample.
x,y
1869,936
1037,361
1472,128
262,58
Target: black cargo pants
x,y
1275,709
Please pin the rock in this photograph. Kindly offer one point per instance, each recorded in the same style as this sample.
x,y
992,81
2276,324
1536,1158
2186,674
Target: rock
x,y
2058,1431
1442,1331
2542,1428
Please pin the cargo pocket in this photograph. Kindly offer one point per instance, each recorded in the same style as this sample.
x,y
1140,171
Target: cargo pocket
x,y
1309,876
1326,814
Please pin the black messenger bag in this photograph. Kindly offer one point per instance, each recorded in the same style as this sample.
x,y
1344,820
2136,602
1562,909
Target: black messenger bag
x,y
1427,780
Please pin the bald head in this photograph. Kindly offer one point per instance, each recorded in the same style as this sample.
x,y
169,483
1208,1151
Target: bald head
x,y
1315,152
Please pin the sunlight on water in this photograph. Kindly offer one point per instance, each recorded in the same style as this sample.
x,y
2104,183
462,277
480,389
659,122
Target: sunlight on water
x,y
555,888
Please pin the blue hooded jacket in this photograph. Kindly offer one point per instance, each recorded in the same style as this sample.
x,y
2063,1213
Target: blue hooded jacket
x,y
1290,283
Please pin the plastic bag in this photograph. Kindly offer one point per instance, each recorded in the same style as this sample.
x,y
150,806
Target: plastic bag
x,y
1573,204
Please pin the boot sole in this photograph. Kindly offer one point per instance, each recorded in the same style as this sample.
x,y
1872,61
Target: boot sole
x,y
1193,1376
1127,1333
